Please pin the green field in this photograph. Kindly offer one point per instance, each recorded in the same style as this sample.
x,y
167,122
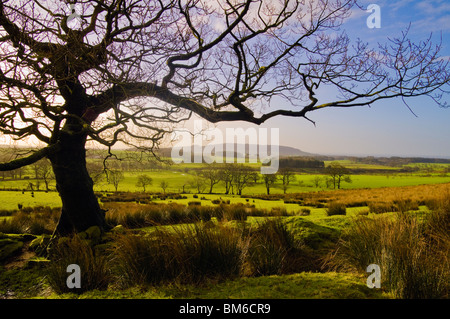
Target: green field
x,y
179,177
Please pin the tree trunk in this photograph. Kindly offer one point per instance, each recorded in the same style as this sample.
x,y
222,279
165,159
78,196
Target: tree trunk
x,y
80,207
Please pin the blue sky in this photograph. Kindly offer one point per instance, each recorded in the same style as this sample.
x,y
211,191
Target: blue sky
x,y
388,128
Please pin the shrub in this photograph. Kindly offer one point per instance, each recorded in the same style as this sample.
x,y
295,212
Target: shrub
x,y
218,212
335,208
278,211
212,252
206,214
139,259
173,214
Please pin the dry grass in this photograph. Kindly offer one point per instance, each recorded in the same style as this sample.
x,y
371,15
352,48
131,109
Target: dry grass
x,y
95,273
38,220
379,200
412,252
186,254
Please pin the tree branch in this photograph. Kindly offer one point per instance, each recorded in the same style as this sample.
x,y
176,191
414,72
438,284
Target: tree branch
x,y
33,158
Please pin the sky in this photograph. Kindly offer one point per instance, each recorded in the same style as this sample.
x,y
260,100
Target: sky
x,y
386,128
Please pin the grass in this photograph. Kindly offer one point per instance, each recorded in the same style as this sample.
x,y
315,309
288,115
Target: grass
x,y
252,248
187,254
411,251
9,200
305,285
94,269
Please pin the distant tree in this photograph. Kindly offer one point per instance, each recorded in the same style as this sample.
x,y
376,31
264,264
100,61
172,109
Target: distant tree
x,y
286,176
43,172
269,181
198,182
46,172
96,172
243,176
183,187
115,177
226,176
338,174
143,181
212,175
164,185
317,180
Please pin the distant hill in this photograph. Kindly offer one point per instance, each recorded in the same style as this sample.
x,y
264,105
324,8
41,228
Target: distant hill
x,y
284,151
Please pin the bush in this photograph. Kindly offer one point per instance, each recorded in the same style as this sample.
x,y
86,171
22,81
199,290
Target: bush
x,y
335,208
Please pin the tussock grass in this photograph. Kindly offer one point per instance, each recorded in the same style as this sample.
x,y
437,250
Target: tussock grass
x,y
186,254
38,220
94,267
273,250
336,208
195,252
134,215
413,253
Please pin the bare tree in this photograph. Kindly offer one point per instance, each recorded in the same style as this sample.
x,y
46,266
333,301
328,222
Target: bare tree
x,y
212,175
243,176
115,177
338,174
43,171
226,176
286,176
198,182
96,172
127,71
164,185
269,181
143,181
